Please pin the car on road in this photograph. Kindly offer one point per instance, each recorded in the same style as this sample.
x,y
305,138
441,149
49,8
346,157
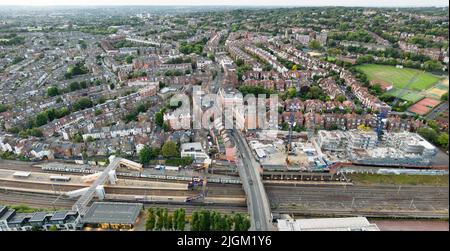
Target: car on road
x,y
250,182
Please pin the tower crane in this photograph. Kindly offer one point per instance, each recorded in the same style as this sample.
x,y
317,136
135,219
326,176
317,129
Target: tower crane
x,y
290,150
381,118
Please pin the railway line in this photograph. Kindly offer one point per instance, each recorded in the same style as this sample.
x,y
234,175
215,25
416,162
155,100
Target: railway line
x,y
46,201
420,201
299,199
28,167
369,214
216,192
36,200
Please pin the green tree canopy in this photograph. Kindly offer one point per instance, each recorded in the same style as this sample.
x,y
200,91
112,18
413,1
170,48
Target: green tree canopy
x,y
170,149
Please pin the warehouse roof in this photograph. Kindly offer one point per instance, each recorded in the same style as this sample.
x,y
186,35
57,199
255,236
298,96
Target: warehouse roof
x,y
112,212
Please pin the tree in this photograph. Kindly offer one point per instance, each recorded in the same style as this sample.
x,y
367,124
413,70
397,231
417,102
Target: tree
x,y
83,84
82,104
341,98
41,119
442,140
129,59
169,222
145,155
428,133
226,223
159,118
291,92
160,219
377,89
165,219
175,219
294,67
52,91
165,127
3,108
433,124
205,220
151,220
432,65
170,149
195,221
35,132
314,44
314,92
77,138
239,62
215,219
223,223
73,86
444,97
238,219
181,221
245,224
212,57
53,228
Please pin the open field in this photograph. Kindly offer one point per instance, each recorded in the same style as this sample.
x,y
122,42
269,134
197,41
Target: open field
x,y
430,180
399,77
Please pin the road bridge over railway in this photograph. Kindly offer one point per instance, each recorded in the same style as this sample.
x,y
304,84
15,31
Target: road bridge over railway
x,y
258,203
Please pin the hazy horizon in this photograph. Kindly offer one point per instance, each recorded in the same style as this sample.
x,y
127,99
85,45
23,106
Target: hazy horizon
x,y
278,3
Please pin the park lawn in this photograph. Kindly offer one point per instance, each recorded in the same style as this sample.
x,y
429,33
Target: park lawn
x,y
394,179
399,77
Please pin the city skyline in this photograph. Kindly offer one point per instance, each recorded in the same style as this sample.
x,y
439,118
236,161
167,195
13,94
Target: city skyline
x,y
295,3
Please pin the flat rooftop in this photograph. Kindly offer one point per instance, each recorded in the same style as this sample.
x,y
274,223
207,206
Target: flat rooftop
x,y
61,215
112,212
39,217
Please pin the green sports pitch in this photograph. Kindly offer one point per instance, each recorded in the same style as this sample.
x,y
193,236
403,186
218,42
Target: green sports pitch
x,y
399,77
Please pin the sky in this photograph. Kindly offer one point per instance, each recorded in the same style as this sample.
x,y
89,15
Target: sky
x,y
371,3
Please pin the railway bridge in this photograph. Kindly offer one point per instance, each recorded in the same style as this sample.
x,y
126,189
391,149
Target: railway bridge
x,y
87,194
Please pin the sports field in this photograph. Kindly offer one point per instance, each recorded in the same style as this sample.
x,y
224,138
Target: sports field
x,y
408,95
399,77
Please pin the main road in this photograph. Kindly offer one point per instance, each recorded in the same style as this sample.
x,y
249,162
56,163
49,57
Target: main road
x,y
258,203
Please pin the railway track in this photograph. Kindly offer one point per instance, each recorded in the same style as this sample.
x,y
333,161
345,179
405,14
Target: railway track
x,y
29,168
52,202
376,201
35,200
370,214
216,192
